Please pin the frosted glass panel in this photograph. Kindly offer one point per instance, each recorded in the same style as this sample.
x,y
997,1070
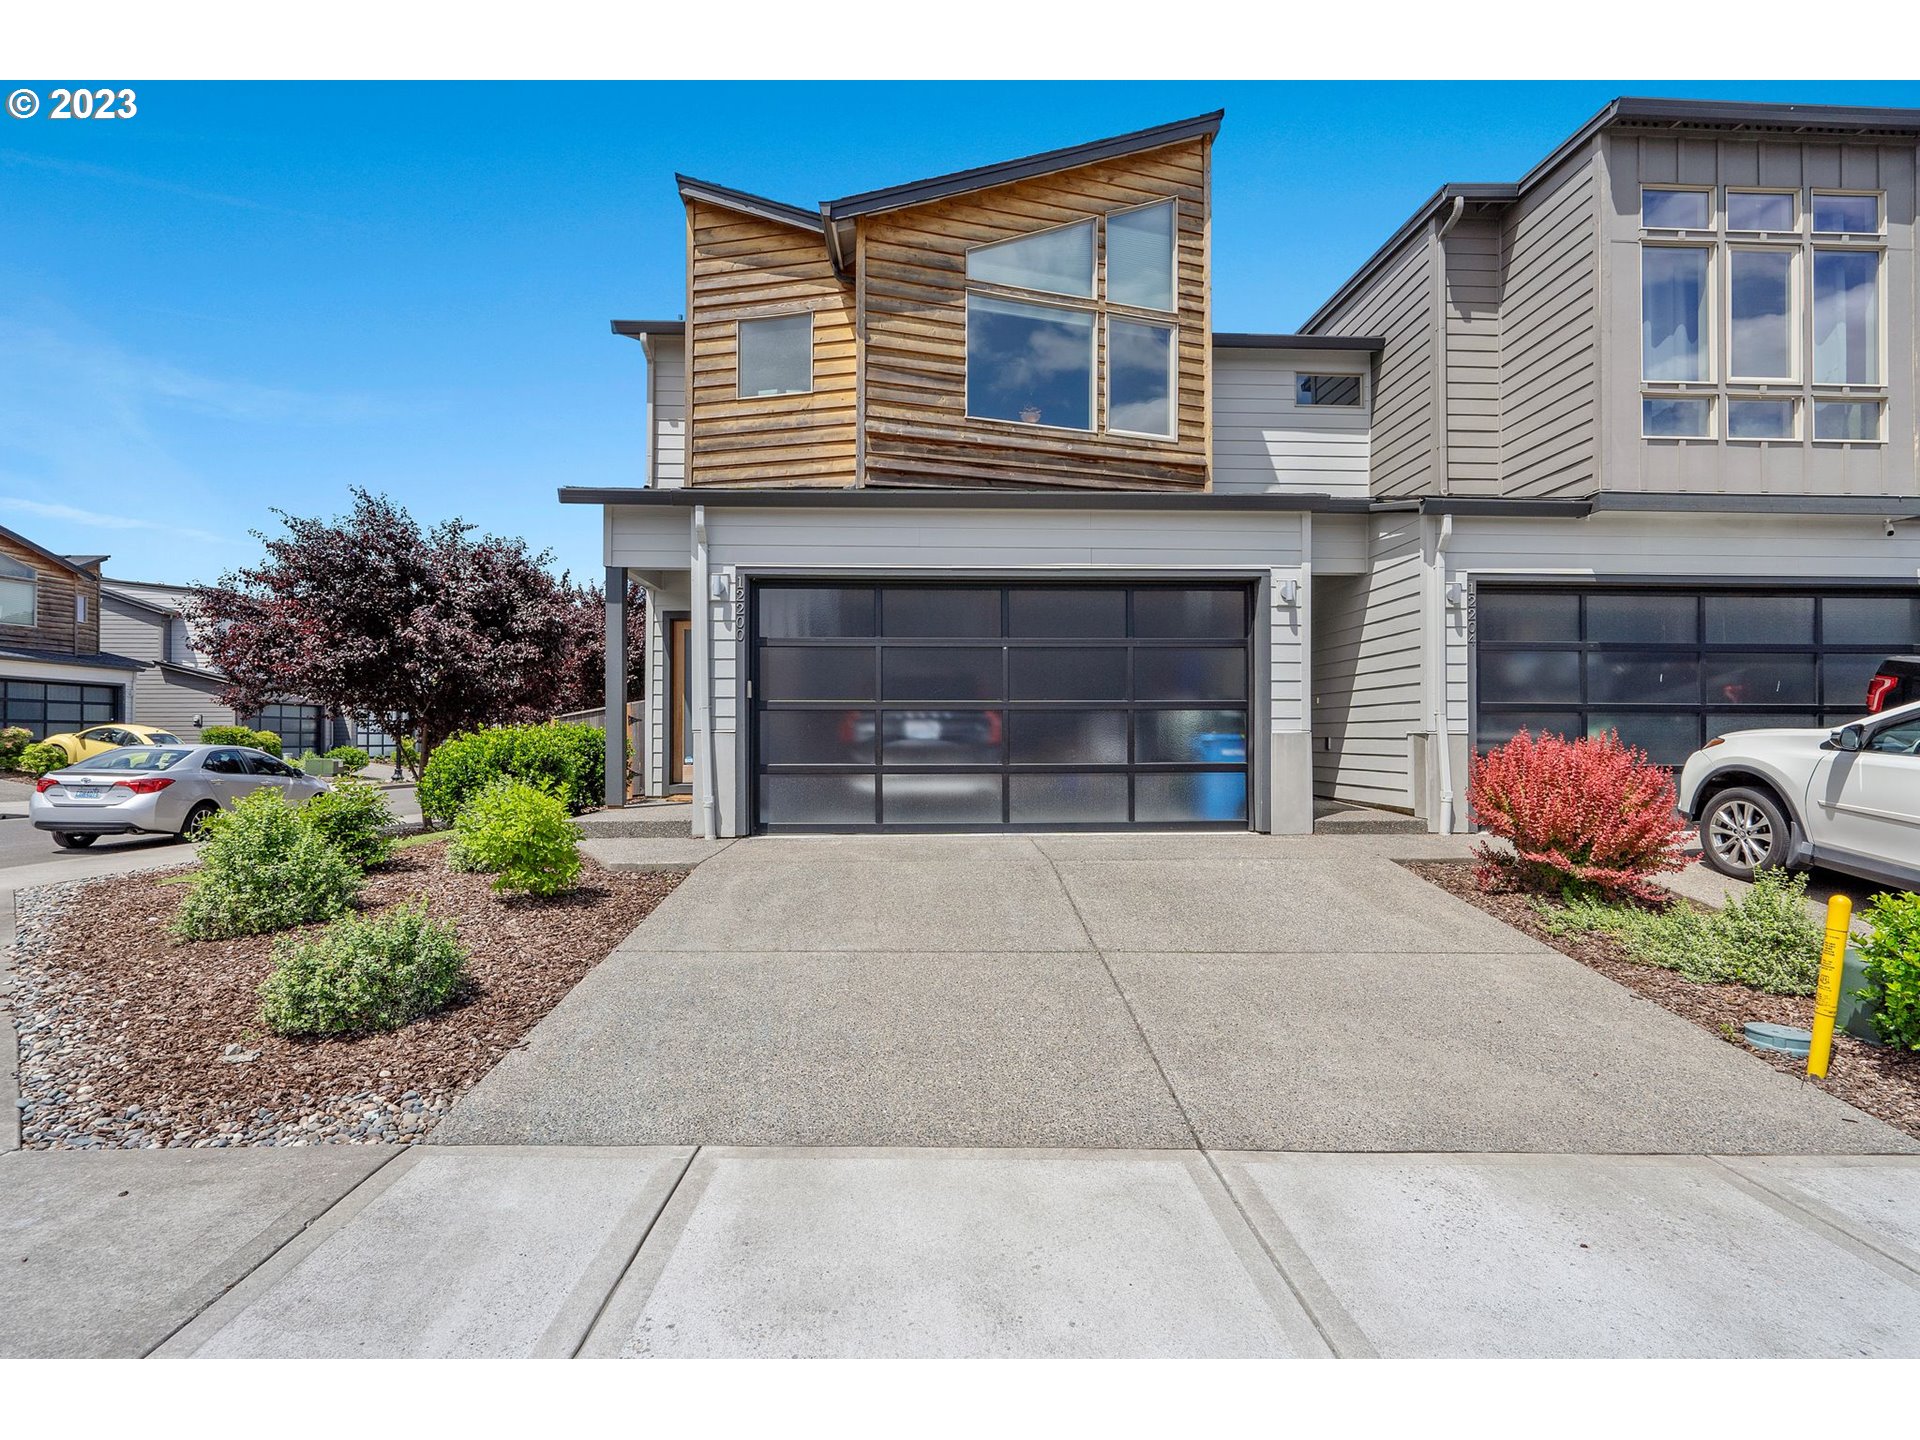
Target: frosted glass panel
x,y
776,355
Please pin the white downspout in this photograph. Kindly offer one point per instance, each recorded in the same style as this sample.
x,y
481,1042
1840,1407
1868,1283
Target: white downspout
x,y
1441,737
702,677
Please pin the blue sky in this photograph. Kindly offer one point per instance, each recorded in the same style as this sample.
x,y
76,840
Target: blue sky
x,y
257,295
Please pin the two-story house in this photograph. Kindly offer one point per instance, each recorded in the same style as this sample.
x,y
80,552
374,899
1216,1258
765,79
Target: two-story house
x,y
1643,451
53,674
959,513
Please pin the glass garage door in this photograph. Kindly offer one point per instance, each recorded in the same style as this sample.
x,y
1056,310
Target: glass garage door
x,y
1669,669
975,707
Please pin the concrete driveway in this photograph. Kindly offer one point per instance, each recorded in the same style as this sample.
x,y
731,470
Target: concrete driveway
x,y
1236,993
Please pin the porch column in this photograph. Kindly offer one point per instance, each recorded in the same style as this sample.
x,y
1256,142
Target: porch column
x,y
616,717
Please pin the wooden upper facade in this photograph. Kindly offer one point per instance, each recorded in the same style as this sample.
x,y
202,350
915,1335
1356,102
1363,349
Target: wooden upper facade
x,y
1097,381
48,602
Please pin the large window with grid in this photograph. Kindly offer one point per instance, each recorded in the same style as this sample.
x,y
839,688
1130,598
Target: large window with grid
x,y
1669,669
1762,315
990,706
47,709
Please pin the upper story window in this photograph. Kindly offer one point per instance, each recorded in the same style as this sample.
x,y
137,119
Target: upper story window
x,y
776,355
1072,294
19,592
1762,314
1327,390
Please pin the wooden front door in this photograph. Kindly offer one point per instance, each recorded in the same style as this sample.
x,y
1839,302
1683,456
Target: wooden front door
x,y
679,708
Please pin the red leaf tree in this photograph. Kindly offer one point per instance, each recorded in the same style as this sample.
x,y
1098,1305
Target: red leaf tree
x,y
432,630
1591,811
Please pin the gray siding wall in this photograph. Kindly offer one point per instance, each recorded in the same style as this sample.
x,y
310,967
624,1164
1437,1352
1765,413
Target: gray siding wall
x,y
1549,342
171,701
1472,363
1368,670
666,412
1265,441
1633,158
133,633
1397,306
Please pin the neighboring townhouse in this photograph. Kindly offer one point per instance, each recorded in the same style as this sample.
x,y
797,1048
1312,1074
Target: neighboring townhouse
x,y
179,688
960,515
1643,447
53,674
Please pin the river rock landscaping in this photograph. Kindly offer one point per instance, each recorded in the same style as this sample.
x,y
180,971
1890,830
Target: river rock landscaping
x,y
1883,1081
132,1037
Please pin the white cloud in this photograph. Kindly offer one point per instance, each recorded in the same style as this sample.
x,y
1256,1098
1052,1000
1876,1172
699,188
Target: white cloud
x,y
103,520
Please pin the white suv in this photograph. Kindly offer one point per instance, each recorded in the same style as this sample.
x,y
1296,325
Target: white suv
x,y
1846,798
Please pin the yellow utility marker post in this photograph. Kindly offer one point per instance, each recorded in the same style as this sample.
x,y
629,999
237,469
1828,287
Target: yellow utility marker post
x,y
1826,994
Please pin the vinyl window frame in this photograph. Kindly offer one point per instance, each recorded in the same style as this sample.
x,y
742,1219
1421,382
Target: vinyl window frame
x,y
1095,411
18,573
740,390
1172,328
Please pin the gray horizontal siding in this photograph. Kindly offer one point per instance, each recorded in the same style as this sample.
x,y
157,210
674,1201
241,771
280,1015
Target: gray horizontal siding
x,y
1367,672
1473,327
1265,441
1397,306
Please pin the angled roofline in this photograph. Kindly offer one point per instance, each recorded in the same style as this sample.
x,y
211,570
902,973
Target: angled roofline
x,y
1678,114
728,198
110,590
644,330
45,554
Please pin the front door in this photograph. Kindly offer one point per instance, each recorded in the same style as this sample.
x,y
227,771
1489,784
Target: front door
x,y
679,703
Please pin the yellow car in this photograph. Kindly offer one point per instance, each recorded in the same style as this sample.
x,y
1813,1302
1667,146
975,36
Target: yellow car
x,y
98,739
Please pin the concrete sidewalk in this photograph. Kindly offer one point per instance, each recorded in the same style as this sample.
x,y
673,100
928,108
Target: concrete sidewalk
x,y
1236,992
664,1251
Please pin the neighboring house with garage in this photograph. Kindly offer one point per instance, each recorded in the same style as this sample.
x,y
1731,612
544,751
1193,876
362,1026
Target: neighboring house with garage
x,y
1643,449
179,689
959,514
54,676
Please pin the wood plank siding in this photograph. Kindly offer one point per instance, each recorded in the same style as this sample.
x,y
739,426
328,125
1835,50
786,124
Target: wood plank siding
x,y
745,267
912,277
55,626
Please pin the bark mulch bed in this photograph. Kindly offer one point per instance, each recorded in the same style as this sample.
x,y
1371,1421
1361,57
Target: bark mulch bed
x,y
1881,1080
131,1037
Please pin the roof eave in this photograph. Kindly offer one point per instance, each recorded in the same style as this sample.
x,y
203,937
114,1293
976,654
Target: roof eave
x,y
727,198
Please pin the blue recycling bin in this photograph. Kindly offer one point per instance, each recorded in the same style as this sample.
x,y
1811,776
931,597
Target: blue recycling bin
x,y
1220,795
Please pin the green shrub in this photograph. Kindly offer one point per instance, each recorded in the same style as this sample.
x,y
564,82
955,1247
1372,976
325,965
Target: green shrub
x,y
568,762
38,758
362,974
13,740
227,735
1766,940
352,817
263,868
1893,968
521,836
268,741
349,757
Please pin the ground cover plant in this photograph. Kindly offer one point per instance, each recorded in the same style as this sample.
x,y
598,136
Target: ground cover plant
x,y
363,973
263,868
521,836
1591,813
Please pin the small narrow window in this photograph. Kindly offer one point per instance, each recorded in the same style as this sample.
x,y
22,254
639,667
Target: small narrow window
x,y
1677,417
1676,209
1327,389
80,607
1673,312
1846,419
19,592
1140,257
1032,364
1760,419
1058,261
1140,387
1846,214
1846,317
776,356
1761,210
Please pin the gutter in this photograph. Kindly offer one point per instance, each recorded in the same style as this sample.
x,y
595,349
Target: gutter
x,y
1439,622
957,498
703,676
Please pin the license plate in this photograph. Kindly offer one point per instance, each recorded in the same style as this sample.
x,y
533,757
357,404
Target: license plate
x,y
85,792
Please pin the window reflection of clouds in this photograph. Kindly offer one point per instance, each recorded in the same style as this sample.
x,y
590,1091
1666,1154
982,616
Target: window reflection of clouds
x,y
1029,363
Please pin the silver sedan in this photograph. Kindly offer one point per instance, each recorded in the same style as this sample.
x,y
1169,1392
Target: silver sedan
x,y
157,790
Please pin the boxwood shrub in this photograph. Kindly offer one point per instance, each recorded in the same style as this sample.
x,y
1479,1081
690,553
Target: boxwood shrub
x,y
263,868
568,762
362,974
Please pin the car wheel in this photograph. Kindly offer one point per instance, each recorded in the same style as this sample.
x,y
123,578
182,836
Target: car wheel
x,y
1742,832
67,840
197,818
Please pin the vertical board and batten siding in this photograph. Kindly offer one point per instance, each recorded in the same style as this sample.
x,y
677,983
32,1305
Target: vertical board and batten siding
x,y
1472,363
1396,306
1368,670
1550,338
912,277
744,267
1719,466
1266,442
666,411
1780,550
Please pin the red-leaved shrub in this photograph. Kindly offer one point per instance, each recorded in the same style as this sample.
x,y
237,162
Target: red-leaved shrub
x,y
1590,812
